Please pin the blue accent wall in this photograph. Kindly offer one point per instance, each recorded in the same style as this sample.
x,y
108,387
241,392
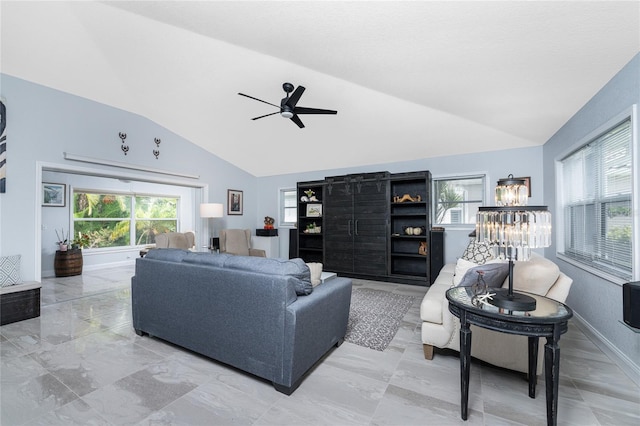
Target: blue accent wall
x,y
596,300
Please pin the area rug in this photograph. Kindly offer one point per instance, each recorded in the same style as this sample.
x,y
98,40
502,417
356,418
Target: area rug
x,y
375,317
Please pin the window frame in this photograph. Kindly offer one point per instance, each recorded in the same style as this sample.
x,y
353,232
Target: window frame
x,y
560,220
131,219
434,207
281,207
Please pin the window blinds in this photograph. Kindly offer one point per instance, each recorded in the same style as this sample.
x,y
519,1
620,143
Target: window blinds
x,y
597,209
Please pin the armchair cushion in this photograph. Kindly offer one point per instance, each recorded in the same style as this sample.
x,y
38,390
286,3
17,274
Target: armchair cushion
x,y
181,240
537,275
238,242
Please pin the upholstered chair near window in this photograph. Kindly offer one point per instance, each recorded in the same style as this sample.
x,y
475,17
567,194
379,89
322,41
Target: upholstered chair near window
x,y
182,240
238,242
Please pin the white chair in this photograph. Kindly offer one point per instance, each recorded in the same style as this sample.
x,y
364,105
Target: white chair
x,y
441,329
182,240
238,242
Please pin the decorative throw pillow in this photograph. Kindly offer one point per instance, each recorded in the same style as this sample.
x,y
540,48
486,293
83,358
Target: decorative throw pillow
x,y
494,274
316,273
462,266
9,270
477,252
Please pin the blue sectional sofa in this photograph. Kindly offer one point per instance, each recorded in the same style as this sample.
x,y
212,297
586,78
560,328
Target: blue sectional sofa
x,y
259,315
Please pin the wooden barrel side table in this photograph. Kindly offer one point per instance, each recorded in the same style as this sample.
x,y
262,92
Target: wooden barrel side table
x,y
68,263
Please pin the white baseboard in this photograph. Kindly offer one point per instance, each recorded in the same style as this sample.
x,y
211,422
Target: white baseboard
x,y
110,265
627,365
50,273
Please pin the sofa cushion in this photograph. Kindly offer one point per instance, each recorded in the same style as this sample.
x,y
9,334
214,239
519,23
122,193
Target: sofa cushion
x,y
537,275
295,268
170,254
494,274
10,270
477,252
209,259
315,270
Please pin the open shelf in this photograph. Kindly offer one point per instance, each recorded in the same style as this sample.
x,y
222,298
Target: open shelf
x,y
310,245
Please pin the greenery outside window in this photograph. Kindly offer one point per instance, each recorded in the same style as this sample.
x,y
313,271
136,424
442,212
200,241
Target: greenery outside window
x,y
457,199
288,207
122,220
595,187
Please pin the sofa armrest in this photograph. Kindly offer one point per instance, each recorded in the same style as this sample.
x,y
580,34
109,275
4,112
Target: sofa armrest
x,y
313,324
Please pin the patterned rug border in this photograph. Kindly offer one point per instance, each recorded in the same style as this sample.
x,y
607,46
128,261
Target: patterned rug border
x,y
375,317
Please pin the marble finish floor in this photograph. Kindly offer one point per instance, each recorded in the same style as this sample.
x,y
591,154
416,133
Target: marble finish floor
x,y
81,363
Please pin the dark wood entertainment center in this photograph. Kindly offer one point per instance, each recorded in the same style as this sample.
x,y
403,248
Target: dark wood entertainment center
x,y
371,225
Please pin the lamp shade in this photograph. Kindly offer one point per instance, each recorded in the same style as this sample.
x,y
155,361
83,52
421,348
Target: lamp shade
x,y
511,192
211,210
513,231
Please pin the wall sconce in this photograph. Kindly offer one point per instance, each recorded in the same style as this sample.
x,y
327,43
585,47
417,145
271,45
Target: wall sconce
x,y
512,192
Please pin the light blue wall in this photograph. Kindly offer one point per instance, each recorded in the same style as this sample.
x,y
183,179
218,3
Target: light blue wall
x,y
42,123
596,300
495,165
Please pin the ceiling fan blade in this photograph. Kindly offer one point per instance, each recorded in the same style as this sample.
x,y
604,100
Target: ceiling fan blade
x,y
259,100
266,115
297,120
295,97
303,110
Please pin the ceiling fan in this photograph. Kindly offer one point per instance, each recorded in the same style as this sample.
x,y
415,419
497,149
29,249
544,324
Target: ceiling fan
x,y
288,108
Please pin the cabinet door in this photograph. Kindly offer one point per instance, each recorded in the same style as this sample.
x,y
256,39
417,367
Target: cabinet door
x,y
338,226
370,213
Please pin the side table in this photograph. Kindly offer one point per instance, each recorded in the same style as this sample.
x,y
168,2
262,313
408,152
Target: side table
x,y
550,319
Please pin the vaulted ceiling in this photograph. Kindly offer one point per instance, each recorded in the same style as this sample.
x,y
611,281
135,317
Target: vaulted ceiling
x,y
409,79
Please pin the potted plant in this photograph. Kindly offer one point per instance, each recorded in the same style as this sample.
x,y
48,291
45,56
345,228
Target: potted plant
x,y
81,242
63,242
68,259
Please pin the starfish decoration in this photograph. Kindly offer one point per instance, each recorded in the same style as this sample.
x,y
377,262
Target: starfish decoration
x,y
484,298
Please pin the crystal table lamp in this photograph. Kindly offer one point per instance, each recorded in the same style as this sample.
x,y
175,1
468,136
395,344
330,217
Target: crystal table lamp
x,y
211,210
512,229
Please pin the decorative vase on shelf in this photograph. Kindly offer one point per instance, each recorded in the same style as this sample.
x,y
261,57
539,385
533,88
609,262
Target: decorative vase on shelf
x,y
62,247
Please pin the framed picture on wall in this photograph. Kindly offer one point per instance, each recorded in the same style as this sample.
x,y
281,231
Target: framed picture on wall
x,y
234,202
54,194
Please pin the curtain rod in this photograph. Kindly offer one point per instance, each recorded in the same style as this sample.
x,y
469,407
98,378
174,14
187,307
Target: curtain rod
x,y
83,159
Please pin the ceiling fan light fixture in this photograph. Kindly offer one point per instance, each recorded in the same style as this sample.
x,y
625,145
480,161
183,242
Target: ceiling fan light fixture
x,y
288,105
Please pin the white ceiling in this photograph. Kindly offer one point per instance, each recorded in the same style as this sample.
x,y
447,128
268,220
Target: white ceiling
x,y
409,79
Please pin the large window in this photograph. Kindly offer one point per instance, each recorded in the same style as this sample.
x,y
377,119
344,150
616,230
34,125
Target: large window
x,y
118,220
595,193
288,207
457,199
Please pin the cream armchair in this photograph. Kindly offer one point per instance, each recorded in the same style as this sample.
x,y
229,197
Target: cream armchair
x,y
238,241
442,330
183,240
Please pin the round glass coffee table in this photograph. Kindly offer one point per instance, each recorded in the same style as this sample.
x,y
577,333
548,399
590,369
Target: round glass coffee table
x,y
550,319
